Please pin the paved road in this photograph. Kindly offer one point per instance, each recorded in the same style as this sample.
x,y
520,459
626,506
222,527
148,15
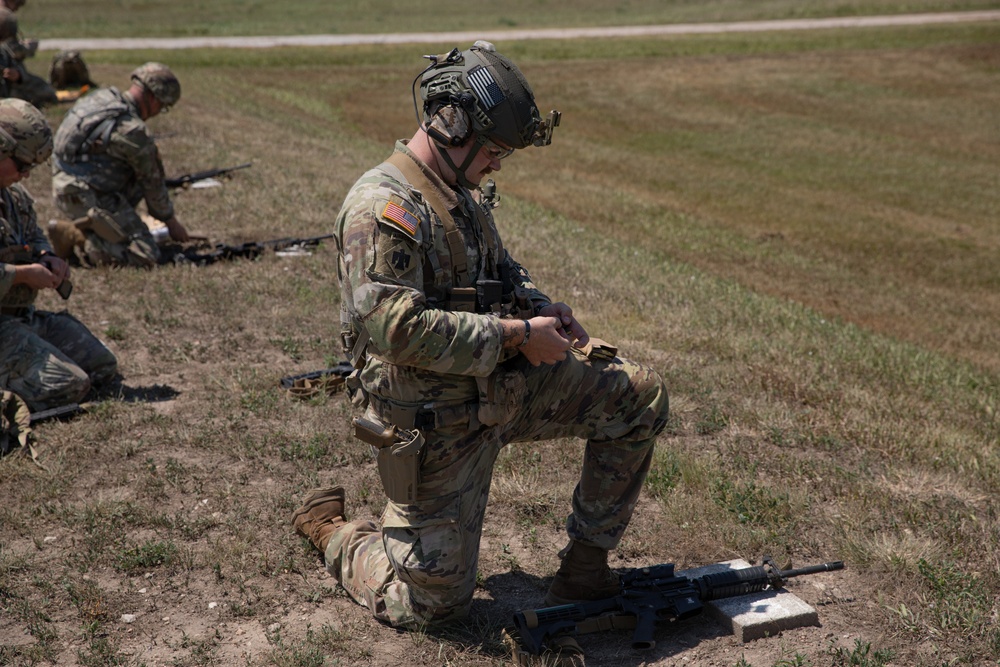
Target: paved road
x,y
516,35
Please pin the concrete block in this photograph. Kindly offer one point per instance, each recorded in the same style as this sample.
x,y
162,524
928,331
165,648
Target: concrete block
x,y
759,614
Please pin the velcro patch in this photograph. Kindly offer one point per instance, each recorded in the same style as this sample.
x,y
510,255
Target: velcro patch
x,y
395,212
489,92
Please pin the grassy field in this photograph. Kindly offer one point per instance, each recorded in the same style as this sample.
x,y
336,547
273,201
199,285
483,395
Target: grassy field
x,y
163,18
799,231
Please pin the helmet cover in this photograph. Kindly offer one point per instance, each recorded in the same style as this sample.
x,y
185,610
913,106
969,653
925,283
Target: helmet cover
x,y
160,81
24,132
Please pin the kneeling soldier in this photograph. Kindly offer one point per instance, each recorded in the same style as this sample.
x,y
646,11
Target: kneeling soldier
x,y
460,355
48,359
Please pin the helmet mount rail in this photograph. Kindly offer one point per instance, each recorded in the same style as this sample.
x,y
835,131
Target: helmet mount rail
x,y
478,95
543,135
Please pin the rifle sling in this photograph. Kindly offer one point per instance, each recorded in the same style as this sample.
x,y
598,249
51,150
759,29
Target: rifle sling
x,y
605,623
415,176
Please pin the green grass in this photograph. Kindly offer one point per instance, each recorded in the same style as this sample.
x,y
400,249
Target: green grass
x,y
161,18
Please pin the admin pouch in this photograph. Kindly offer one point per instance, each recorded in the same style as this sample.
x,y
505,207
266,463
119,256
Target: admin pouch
x,y
104,224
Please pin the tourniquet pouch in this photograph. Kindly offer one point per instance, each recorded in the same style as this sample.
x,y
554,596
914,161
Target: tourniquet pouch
x,y
501,396
397,455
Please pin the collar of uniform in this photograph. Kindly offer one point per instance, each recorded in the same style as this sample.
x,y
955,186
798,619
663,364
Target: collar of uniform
x,y
127,98
447,194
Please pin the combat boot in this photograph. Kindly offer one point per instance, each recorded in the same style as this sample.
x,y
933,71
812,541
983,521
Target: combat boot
x,y
583,576
320,516
65,237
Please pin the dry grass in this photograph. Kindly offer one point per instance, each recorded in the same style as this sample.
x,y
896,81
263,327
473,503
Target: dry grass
x,y
821,408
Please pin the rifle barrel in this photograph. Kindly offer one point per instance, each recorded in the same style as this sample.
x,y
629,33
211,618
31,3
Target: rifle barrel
x,y
813,569
202,175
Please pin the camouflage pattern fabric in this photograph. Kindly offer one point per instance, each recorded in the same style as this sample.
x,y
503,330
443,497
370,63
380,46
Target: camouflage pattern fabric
x,y
112,171
49,359
394,278
8,25
418,565
8,61
15,422
20,238
33,88
30,88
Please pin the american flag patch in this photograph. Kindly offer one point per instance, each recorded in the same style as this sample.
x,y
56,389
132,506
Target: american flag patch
x,y
401,217
486,87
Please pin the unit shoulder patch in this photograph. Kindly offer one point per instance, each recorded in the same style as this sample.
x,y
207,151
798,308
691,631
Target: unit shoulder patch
x,y
400,215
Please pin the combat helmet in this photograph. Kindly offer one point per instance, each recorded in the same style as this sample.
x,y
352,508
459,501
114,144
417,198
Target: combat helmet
x,y
160,81
483,94
24,133
491,90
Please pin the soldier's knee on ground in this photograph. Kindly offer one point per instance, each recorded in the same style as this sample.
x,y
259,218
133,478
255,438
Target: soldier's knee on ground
x,y
432,563
71,387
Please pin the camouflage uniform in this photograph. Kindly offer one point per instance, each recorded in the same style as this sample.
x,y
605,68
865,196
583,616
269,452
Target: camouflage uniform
x,y
432,363
105,158
48,359
30,87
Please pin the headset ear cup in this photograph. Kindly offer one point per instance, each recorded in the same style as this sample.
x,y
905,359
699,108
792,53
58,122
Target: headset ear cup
x,y
450,127
439,137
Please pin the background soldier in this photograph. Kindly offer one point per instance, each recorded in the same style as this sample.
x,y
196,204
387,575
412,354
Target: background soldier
x,y
17,80
106,162
48,359
460,354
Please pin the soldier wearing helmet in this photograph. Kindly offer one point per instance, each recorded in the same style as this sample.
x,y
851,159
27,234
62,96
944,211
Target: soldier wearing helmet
x,y
105,163
460,354
48,359
15,79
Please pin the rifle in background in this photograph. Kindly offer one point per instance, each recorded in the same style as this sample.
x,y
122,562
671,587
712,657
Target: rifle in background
x,y
58,412
649,595
250,250
185,180
328,380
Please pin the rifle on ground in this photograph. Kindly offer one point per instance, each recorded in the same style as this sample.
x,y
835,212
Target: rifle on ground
x,y
249,250
188,179
649,595
328,380
57,413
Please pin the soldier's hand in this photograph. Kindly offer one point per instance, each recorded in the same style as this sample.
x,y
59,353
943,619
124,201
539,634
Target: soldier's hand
x,y
57,265
35,276
572,330
11,74
177,230
547,342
